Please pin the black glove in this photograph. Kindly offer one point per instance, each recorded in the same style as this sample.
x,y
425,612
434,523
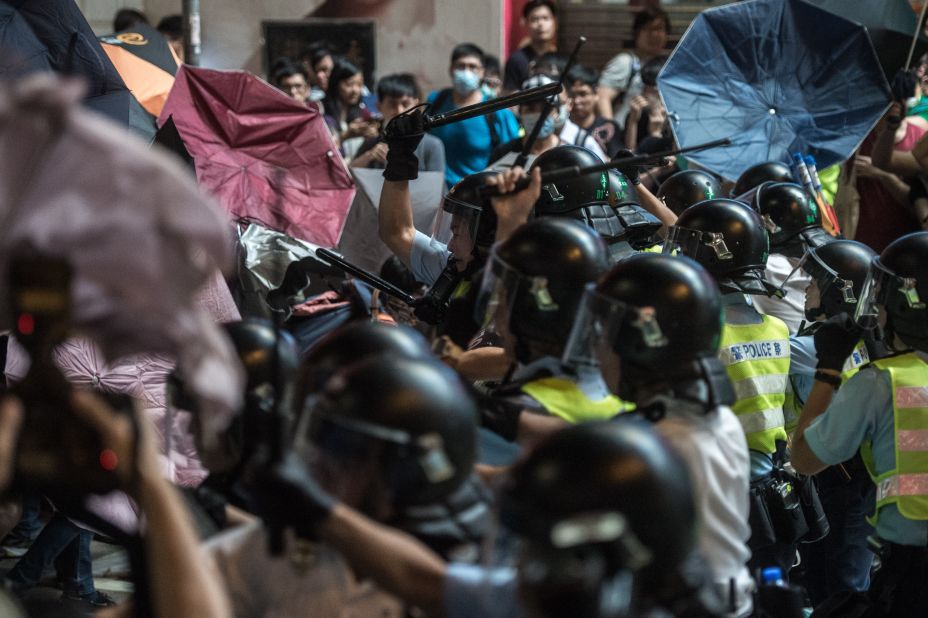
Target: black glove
x,y
286,494
903,86
835,340
403,135
500,416
632,173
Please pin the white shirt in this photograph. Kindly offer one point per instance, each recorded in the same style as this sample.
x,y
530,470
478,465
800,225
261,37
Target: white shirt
x,y
569,133
307,579
792,308
716,453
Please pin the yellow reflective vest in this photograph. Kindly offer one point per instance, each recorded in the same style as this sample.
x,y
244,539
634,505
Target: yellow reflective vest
x,y
756,357
562,397
906,485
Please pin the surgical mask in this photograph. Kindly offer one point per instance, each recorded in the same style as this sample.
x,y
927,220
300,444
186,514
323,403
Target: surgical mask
x,y
530,120
465,82
488,93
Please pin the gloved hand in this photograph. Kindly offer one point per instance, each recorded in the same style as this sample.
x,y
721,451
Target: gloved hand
x,y
632,173
500,416
402,136
835,340
287,494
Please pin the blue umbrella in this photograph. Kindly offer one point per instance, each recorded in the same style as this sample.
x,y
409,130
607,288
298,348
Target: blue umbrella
x,y
777,76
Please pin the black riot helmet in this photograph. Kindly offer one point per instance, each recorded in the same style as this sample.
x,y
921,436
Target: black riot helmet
x,y
688,187
898,281
593,503
792,218
605,201
762,172
354,342
662,316
533,283
411,421
839,270
729,239
269,359
472,217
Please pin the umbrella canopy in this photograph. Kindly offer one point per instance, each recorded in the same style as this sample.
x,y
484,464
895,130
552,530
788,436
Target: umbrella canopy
x,y
53,34
777,77
140,238
145,62
263,155
891,24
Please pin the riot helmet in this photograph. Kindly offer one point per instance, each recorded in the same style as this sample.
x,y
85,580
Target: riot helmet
x,y
791,216
409,425
762,172
839,270
606,515
533,282
688,187
659,316
469,218
729,239
563,197
354,342
898,282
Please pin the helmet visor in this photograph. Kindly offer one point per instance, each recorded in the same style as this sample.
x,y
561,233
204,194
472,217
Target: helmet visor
x,y
598,324
823,275
693,243
878,286
501,286
455,226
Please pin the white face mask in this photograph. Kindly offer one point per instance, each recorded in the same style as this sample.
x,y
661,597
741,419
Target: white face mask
x,y
465,82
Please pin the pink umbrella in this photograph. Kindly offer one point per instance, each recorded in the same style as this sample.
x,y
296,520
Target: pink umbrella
x,y
263,155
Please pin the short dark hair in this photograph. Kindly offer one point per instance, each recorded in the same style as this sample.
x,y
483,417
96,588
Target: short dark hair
x,y
284,68
531,5
463,50
398,85
651,68
491,65
128,18
316,52
645,16
584,75
171,26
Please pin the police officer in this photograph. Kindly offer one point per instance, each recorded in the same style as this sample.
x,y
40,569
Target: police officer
x,y
653,324
883,408
604,512
530,292
794,225
688,187
841,561
609,202
728,238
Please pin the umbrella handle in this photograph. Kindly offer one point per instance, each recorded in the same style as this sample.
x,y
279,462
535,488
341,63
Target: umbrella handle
x,y
918,30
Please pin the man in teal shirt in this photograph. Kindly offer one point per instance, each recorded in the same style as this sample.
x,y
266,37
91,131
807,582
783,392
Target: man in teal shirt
x,y
468,143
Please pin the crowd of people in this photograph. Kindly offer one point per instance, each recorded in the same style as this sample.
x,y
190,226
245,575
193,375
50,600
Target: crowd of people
x,y
639,391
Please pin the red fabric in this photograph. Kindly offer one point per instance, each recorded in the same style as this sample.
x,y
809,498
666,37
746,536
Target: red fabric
x,y
513,30
882,219
261,154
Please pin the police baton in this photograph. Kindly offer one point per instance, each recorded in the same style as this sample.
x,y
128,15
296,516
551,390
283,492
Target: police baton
x,y
573,171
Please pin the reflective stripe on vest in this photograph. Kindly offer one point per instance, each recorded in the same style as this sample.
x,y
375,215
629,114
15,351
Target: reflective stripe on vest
x,y
907,485
562,397
756,358
792,408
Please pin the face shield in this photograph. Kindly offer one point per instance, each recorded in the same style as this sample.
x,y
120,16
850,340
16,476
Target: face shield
x,y
879,284
455,227
599,323
825,279
691,243
502,286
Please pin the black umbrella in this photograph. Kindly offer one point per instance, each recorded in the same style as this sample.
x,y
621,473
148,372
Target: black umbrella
x,y
53,34
891,24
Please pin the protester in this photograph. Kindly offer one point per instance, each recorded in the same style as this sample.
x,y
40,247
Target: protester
x,y
540,18
290,79
397,94
620,81
128,18
492,77
172,27
583,90
468,144
345,112
318,62
646,126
